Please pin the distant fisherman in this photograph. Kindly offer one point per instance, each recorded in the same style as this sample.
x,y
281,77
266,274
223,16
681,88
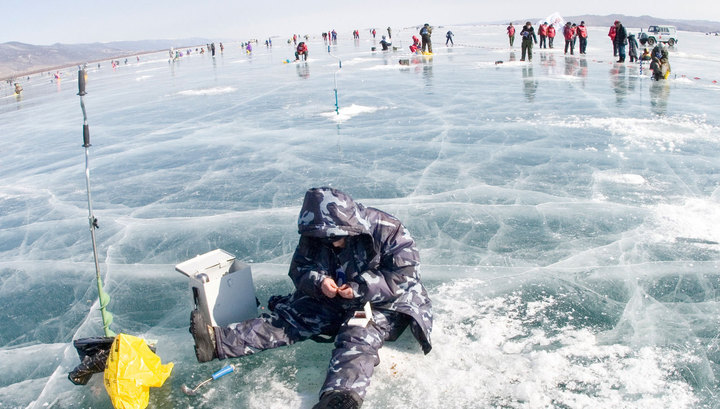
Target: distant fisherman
x,y
416,45
511,34
620,40
611,33
582,35
569,34
425,33
632,48
528,38
542,32
660,64
385,44
301,50
551,35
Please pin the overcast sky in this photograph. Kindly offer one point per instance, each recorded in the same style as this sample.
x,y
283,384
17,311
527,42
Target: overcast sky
x,y
45,22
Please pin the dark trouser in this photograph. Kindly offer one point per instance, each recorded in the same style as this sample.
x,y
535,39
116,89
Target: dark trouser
x,y
512,40
426,43
304,55
356,348
450,40
550,41
659,69
583,44
655,69
571,45
615,50
543,43
527,47
632,53
621,52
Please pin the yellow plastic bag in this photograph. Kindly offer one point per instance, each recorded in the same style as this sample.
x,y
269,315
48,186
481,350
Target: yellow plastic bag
x,y
132,368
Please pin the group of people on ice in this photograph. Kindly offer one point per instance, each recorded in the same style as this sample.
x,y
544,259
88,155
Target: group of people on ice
x,y
624,44
424,46
571,32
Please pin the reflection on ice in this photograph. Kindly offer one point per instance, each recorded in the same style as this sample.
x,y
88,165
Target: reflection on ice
x,y
530,84
659,94
565,209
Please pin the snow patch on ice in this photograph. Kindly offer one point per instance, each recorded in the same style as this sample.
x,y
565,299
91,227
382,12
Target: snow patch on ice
x,y
208,91
696,219
522,361
622,178
346,113
663,134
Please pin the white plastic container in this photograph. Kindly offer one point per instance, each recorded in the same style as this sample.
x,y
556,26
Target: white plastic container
x,y
222,287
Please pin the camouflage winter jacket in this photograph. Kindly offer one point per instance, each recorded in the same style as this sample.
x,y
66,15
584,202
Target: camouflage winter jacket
x,y
380,260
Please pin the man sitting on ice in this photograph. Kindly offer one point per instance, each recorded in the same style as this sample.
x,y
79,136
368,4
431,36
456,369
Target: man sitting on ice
x,y
348,256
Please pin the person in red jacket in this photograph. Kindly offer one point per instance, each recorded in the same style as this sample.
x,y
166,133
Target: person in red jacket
x,y
611,34
582,35
542,32
415,47
511,34
569,34
551,35
301,50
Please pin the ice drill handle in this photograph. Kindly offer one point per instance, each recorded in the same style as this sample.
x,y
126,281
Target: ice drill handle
x,y
82,77
86,135
224,371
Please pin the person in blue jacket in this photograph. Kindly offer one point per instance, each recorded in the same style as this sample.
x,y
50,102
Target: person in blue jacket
x,y
425,34
348,255
449,38
385,44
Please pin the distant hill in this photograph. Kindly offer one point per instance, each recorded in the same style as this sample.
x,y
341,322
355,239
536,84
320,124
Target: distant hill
x,y
18,59
703,26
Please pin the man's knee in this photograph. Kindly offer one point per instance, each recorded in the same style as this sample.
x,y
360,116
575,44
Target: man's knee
x,y
368,338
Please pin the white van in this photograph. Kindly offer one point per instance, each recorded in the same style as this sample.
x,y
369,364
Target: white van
x,y
659,34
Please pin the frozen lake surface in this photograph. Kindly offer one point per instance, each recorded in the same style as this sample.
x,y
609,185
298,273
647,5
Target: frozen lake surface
x,y
567,213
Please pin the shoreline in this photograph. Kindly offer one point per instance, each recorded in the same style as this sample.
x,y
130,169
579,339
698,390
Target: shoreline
x,y
32,71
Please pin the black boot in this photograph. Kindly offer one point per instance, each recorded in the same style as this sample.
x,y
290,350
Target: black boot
x,y
339,400
204,336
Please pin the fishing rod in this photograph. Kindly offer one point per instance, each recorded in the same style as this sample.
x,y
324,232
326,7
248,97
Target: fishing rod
x,y
337,107
103,297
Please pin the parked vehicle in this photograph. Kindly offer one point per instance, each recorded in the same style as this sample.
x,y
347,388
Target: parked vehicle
x,y
659,34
